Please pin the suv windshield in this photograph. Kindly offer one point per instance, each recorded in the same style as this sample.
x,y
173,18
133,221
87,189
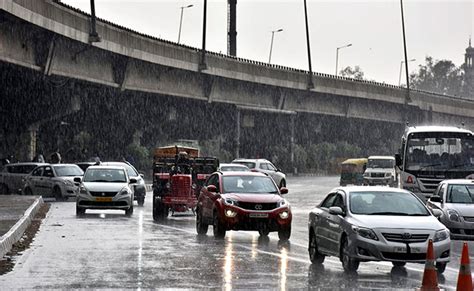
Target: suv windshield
x,y
381,163
68,171
460,194
105,175
386,203
249,184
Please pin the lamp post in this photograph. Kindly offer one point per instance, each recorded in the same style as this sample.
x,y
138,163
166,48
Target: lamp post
x,y
181,19
337,53
400,74
271,43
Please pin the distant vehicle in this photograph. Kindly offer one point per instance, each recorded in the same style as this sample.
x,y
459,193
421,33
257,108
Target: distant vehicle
x,y
352,171
178,174
105,187
362,223
430,154
264,166
381,171
243,201
12,176
53,180
233,167
138,186
455,198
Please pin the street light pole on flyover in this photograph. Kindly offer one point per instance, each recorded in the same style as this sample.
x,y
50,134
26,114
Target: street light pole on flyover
x,y
400,74
181,19
337,53
271,43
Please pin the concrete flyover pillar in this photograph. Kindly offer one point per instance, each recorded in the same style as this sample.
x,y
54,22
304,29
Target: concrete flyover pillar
x,y
32,138
237,133
292,143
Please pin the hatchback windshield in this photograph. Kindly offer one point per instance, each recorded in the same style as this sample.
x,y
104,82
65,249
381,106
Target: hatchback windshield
x,y
249,184
105,175
234,168
460,194
130,170
386,203
249,165
68,171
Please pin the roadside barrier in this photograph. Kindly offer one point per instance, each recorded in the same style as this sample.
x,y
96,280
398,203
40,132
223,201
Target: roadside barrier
x,y
464,277
430,276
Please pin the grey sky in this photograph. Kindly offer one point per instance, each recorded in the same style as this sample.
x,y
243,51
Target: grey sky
x,y
440,29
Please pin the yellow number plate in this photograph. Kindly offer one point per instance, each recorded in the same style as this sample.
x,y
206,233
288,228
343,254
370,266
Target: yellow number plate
x,y
103,199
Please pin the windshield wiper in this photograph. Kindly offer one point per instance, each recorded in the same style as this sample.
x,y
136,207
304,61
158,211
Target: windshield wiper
x,y
388,213
432,165
417,214
458,165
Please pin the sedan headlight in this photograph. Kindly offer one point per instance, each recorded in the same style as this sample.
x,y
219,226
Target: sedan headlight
x,y
441,235
453,215
365,232
124,191
229,201
82,189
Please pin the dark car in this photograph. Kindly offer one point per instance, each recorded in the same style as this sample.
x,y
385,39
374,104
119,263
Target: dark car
x,y
243,201
138,187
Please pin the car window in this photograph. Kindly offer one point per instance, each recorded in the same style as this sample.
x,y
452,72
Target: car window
x,y
38,171
248,184
329,200
338,201
132,172
263,166
68,171
386,203
213,180
48,172
271,167
460,194
250,165
105,175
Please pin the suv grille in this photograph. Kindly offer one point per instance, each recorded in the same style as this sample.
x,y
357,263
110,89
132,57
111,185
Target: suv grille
x,y
398,237
377,175
251,206
105,194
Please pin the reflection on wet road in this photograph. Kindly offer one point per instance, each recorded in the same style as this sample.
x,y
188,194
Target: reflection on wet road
x,y
106,249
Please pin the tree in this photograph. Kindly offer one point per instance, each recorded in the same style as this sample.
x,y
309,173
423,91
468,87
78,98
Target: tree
x,y
441,76
355,73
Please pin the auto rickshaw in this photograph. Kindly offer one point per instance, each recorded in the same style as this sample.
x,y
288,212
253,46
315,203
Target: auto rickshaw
x,y
352,171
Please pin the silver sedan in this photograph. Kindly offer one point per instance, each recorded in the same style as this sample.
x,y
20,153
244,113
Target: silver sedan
x,y
359,224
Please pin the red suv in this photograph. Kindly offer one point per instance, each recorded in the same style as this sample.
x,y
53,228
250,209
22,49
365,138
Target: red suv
x,y
243,201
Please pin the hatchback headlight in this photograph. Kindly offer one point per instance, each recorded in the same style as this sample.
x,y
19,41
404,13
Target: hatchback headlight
x,y
284,215
365,232
230,213
124,191
82,189
282,202
441,235
454,215
229,201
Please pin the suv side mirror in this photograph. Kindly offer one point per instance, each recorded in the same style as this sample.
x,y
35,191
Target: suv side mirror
x,y
398,160
283,190
212,188
132,181
336,210
436,199
143,176
77,179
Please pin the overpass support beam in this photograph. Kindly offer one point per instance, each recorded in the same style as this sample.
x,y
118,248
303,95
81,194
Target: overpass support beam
x,y
237,133
292,143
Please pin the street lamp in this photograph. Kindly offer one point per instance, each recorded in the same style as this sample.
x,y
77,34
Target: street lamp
x,y
271,43
337,53
400,74
181,19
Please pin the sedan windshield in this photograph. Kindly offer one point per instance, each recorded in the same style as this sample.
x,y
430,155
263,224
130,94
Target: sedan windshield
x,y
68,171
460,194
249,184
105,175
386,203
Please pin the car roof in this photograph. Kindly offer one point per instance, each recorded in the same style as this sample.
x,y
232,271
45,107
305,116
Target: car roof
x,y
26,164
356,161
380,189
459,181
434,128
382,157
239,173
250,160
106,167
232,165
64,165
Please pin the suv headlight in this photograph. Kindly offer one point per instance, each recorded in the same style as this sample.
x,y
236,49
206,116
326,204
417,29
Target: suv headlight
x,y
454,215
229,201
441,235
366,175
365,232
82,189
388,175
282,202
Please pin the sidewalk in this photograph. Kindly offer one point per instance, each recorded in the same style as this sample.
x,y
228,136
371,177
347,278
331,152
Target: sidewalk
x,y
16,213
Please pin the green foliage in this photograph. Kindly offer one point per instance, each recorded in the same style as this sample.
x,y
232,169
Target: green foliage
x,y
354,73
139,156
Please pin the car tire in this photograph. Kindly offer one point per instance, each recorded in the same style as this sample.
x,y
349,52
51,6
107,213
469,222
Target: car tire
x,y
440,267
349,264
201,227
129,211
218,228
314,255
4,189
284,234
263,232
159,211
28,191
399,264
141,201
58,195
282,183
80,211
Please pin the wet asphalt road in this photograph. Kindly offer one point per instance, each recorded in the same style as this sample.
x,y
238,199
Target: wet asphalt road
x,y
106,249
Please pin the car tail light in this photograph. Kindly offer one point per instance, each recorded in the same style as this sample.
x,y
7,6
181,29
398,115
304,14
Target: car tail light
x,y
410,180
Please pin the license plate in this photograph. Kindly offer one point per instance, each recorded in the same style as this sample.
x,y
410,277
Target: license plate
x,y
103,199
258,215
400,249
416,250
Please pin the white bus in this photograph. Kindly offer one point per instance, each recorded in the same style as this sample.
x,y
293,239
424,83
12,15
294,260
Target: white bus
x,y
430,154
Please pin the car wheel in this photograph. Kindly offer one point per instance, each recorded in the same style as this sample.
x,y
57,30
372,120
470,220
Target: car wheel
x,y
4,189
282,183
440,267
201,227
159,211
141,201
218,228
284,234
57,194
263,232
349,264
28,191
129,211
80,211
399,264
314,255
